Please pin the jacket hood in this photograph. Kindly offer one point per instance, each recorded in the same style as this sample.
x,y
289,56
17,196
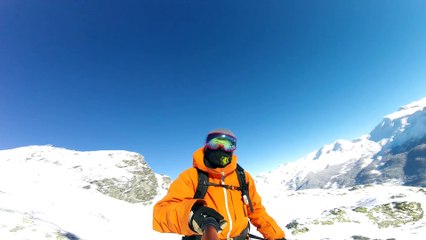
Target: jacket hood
x,y
198,162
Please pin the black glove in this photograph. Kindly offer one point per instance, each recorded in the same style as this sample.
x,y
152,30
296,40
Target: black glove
x,y
202,216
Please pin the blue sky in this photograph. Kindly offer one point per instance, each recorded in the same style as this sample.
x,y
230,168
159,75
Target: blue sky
x,y
155,76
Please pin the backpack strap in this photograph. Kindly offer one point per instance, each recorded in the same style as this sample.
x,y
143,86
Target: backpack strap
x,y
244,186
202,186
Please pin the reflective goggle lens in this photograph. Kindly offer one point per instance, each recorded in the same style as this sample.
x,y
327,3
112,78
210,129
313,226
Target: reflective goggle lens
x,y
225,142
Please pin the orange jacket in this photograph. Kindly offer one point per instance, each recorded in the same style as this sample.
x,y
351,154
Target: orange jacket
x,y
171,214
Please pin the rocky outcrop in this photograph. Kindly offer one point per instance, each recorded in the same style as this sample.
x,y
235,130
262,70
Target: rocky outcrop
x,y
119,174
405,166
393,214
398,210
140,187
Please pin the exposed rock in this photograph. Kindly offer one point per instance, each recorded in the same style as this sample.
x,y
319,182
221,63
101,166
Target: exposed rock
x,y
405,166
119,174
297,228
393,214
140,188
415,167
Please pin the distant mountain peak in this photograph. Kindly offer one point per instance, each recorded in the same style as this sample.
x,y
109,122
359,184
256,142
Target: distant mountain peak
x,y
393,152
408,109
408,123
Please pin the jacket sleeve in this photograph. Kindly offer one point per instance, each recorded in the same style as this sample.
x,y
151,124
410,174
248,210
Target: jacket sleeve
x,y
171,214
264,223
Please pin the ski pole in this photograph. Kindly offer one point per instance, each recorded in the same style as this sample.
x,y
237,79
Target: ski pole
x,y
256,237
210,233
210,229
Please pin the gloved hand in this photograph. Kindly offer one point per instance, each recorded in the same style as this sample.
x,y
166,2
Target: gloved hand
x,y
202,216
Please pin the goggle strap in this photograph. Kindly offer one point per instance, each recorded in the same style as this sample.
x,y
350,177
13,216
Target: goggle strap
x,y
215,135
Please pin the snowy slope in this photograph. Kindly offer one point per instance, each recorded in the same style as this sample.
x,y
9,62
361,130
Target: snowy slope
x,y
38,212
55,193
120,174
363,212
43,195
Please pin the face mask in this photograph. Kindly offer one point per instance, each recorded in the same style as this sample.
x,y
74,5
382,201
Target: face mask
x,y
217,158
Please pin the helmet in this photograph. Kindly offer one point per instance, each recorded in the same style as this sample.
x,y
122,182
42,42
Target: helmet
x,y
221,131
223,138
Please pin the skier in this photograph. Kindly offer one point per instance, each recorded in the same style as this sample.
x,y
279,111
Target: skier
x,y
226,199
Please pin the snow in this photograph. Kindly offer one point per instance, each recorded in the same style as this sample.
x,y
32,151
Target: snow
x,y
341,152
41,189
44,194
311,204
409,122
408,109
41,198
406,125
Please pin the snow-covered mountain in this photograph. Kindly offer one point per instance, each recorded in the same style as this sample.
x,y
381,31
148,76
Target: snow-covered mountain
x,y
119,174
393,152
339,192
54,193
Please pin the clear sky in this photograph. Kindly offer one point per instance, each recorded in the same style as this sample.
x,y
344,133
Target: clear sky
x,y
155,76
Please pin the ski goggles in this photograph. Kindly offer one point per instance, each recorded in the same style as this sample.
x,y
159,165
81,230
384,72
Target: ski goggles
x,y
226,142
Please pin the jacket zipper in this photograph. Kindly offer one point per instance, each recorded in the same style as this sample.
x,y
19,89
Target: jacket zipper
x,y
227,206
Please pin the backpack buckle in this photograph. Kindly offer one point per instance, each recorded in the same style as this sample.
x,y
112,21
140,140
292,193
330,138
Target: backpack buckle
x,y
246,202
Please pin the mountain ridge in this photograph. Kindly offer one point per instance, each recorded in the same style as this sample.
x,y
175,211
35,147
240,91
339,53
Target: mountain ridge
x,y
380,156
119,174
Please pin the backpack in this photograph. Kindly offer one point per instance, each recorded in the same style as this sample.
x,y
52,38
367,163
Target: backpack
x,y
203,184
